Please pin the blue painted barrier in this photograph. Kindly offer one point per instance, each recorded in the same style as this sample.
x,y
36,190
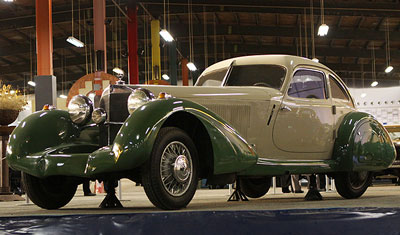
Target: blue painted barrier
x,y
301,221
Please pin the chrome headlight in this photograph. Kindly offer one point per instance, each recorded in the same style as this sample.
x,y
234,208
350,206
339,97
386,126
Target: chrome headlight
x,y
80,108
136,99
99,116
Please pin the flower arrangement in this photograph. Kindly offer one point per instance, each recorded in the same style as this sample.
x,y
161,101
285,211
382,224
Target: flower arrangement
x,y
11,99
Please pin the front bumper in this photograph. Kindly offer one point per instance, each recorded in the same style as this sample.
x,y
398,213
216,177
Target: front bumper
x,y
53,162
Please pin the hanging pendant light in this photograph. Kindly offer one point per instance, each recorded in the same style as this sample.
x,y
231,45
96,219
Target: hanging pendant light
x,y
71,39
165,76
323,28
374,83
389,68
190,65
166,35
164,32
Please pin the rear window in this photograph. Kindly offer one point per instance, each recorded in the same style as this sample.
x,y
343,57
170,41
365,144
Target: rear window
x,y
257,75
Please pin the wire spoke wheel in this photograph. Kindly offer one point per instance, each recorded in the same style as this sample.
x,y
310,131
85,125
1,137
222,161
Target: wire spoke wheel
x,y
352,184
176,168
170,176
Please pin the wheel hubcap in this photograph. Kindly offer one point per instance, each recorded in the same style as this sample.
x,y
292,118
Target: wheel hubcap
x,y
176,168
358,179
181,169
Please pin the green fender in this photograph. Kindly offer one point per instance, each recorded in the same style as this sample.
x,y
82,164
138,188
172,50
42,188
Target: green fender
x,y
42,134
134,142
363,144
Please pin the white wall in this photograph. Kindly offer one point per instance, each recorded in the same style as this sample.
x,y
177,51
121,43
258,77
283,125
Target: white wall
x,y
383,103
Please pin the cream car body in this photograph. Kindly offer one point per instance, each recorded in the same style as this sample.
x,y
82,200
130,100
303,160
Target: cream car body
x,y
277,125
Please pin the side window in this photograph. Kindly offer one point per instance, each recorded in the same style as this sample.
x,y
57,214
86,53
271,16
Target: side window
x,y
337,90
307,84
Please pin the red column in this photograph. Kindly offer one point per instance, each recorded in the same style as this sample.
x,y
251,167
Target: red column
x,y
99,16
185,72
44,37
133,60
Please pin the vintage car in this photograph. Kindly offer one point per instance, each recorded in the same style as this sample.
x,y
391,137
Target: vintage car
x,y
246,118
394,169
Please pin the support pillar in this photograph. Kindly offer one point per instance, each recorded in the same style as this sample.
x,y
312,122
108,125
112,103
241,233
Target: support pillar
x,y
155,50
5,193
45,91
185,72
99,17
133,60
172,63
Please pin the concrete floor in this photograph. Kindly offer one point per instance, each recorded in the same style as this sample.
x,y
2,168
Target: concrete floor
x,y
134,200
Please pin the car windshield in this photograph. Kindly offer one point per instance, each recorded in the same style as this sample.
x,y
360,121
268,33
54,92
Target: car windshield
x,y
213,78
257,75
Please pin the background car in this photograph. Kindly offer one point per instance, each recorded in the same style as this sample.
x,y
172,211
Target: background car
x,y
394,169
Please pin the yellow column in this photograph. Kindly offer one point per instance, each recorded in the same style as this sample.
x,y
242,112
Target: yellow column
x,y
155,50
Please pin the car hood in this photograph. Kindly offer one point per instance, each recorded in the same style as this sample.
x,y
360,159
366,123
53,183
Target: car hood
x,y
200,93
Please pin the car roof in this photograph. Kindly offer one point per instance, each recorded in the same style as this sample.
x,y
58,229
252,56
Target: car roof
x,y
286,60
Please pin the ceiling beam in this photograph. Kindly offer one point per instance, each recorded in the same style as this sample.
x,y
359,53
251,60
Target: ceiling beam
x,y
350,8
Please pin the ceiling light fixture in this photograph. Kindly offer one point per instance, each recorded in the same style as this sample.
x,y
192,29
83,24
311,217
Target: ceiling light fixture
x,y
165,76
32,83
118,71
191,66
323,28
315,60
76,42
389,68
9,0
71,39
166,35
374,84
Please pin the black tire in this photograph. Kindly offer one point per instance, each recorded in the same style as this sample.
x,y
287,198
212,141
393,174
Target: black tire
x,y
49,193
352,184
179,185
255,187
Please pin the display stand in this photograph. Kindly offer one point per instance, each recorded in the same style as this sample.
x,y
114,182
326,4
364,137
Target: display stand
x,y
5,193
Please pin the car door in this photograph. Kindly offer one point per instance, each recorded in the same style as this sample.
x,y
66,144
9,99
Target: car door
x,y
341,100
304,122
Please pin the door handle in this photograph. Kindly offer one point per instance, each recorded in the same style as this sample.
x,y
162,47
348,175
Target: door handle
x,y
285,108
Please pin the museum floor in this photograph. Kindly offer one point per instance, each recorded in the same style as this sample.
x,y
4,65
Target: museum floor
x,y
134,200
379,201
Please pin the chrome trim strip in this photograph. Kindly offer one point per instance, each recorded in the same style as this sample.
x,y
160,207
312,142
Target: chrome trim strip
x,y
118,123
273,162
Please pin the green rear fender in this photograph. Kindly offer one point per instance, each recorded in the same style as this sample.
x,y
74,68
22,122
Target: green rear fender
x,y
363,144
134,141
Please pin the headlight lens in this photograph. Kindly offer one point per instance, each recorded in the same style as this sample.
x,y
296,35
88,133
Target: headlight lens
x,y
80,108
137,99
99,116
